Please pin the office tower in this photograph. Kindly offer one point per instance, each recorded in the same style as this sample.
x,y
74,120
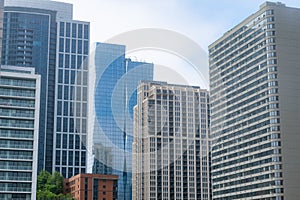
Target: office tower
x,y
254,81
115,81
19,127
71,99
171,146
43,35
92,186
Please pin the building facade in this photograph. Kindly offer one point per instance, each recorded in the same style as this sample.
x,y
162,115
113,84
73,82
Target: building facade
x,y
92,187
43,35
171,144
19,127
254,81
71,98
115,81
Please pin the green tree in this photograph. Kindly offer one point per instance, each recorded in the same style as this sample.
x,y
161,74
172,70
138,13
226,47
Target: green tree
x,y
50,187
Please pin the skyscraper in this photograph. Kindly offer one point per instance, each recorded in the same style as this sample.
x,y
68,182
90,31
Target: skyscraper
x,y
255,97
115,81
19,127
43,35
171,145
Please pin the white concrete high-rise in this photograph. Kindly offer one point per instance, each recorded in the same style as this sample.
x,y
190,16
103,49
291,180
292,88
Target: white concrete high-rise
x,y
171,146
19,127
255,107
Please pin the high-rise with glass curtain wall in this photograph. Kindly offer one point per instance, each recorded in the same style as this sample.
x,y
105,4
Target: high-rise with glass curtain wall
x,y
255,106
171,145
114,80
19,127
42,34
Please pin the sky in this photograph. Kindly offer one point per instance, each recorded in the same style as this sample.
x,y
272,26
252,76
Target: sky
x,y
200,21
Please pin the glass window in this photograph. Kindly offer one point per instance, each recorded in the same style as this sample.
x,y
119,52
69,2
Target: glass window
x,y
86,47
59,107
79,61
73,76
67,77
59,92
65,124
61,44
74,30
73,62
77,143
58,124
83,158
65,141
79,49
71,128
62,29
66,92
71,141
58,140
68,45
61,61
70,159
79,30
57,162
68,29
67,61
86,31
60,76
73,46
64,158
84,94
71,108
66,109
76,158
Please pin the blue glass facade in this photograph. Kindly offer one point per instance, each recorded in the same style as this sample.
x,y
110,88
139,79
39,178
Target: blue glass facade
x,y
29,40
115,95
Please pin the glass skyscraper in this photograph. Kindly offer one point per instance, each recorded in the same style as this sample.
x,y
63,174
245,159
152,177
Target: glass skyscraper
x,y
19,127
43,35
110,143
255,106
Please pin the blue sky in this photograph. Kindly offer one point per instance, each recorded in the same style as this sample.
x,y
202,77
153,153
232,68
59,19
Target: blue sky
x,y
202,21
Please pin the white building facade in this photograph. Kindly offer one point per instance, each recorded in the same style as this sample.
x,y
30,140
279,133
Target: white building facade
x,y
19,127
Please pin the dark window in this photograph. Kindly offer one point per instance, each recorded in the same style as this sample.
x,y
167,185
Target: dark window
x,y
64,158
74,30
62,29
86,32
68,29
79,30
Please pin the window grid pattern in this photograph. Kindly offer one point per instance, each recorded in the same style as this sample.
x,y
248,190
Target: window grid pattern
x,y
171,147
71,98
245,124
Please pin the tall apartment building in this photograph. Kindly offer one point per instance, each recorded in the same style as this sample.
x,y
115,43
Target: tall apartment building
x,y
19,127
255,106
171,146
114,81
42,34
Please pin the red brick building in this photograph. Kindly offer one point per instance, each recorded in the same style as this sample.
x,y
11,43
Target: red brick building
x,y
92,187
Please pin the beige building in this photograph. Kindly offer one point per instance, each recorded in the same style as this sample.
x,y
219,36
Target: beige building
x,y
170,147
255,107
